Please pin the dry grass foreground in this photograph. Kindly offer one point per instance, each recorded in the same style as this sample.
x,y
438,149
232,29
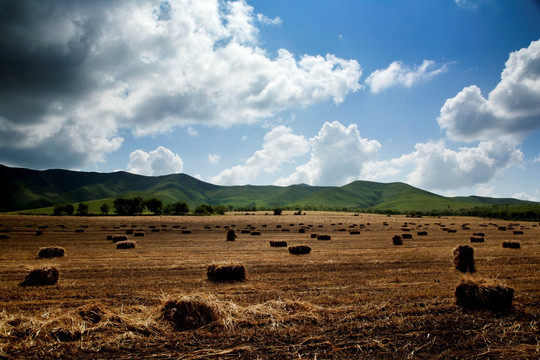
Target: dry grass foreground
x,y
354,296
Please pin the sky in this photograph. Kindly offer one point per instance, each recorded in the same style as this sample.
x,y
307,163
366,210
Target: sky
x,y
443,95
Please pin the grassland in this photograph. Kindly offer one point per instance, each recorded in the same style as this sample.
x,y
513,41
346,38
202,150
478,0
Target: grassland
x,y
355,296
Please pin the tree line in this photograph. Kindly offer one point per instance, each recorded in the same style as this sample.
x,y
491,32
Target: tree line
x,y
137,205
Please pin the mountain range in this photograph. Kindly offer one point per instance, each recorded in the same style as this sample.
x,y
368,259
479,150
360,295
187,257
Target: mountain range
x,y
25,189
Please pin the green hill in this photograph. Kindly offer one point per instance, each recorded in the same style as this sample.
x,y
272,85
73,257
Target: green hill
x,y
24,189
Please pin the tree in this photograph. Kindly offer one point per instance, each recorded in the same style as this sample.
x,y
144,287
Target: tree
x,y
221,209
82,209
277,211
69,209
133,206
177,208
105,208
203,209
154,205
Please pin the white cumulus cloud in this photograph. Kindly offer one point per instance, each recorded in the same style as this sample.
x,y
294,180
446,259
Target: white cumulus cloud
x,y
280,146
399,74
161,161
511,109
433,166
83,71
338,154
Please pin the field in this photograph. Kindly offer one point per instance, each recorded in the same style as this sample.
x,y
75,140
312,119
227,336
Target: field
x,y
354,296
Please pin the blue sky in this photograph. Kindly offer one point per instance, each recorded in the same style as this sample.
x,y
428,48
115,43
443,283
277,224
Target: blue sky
x,y
443,95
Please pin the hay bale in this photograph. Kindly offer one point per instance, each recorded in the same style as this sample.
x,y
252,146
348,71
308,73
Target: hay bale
x,y
302,231
4,237
314,236
299,250
471,295
129,232
324,237
231,235
226,272
190,313
422,233
477,239
511,244
481,234
39,232
406,236
186,232
354,232
278,243
138,234
79,230
255,233
397,240
41,276
116,239
125,245
464,258
51,252
518,232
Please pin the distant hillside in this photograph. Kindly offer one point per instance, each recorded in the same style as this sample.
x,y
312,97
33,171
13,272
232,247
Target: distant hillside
x,y
23,189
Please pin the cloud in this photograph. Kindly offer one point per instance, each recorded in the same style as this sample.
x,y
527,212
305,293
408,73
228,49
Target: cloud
x,y
511,109
467,4
280,146
338,154
486,191
265,20
192,132
537,159
76,74
398,74
214,158
161,161
436,167
525,196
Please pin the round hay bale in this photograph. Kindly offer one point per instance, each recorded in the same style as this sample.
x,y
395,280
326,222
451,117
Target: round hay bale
x,y
41,276
190,313
79,230
314,236
138,234
116,239
477,239
39,232
502,228
4,237
186,232
129,232
51,252
125,245
518,232
422,233
255,233
397,240
245,231
464,258
299,250
278,243
155,230
302,231
484,296
285,229
511,244
226,272
481,234
109,237
324,237
231,235
406,236
354,232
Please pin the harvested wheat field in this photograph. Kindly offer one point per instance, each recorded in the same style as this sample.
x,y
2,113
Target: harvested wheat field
x,y
355,296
